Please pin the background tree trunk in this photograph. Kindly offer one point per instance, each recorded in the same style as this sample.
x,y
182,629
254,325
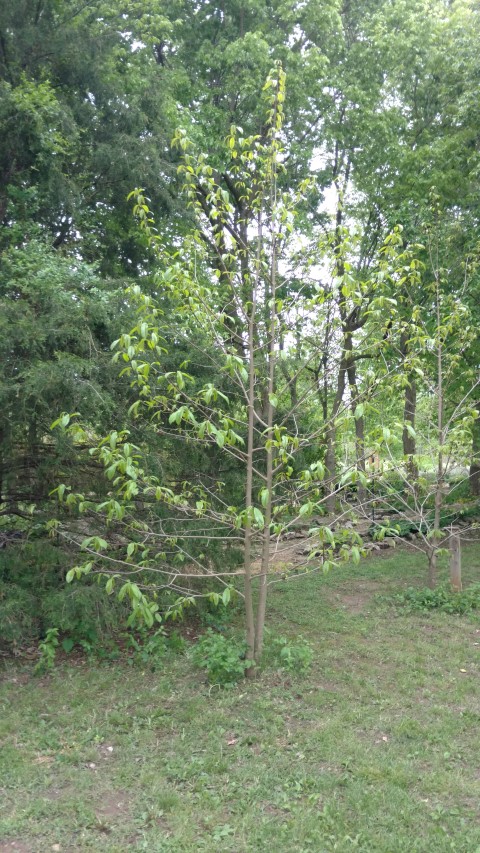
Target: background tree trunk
x,y
409,440
475,461
331,441
359,424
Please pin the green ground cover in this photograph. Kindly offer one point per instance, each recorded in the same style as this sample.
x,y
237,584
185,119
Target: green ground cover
x,y
376,749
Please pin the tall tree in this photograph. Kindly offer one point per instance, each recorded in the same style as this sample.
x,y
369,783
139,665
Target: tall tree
x,y
86,114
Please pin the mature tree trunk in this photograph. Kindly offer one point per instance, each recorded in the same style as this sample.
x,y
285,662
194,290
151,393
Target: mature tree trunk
x,y
331,440
456,562
409,413
247,558
408,437
2,439
358,420
432,554
475,461
291,379
432,567
270,297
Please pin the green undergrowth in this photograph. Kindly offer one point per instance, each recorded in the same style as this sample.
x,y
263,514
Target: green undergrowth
x,y
374,748
442,598
34,598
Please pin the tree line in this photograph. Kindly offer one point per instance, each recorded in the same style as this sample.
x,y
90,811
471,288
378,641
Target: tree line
x,y
292,292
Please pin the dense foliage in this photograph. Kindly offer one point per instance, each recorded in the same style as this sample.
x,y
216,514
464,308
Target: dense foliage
x,y
293,302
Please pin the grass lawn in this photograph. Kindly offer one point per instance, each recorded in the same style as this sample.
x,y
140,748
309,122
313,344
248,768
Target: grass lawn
x,y
376,749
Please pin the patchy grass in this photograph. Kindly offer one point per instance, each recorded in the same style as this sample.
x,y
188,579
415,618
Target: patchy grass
x,y
376,750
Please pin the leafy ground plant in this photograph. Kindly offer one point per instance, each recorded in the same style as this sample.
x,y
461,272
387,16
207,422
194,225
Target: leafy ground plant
x,y
148,648
442,598
223,658
48,651
293,655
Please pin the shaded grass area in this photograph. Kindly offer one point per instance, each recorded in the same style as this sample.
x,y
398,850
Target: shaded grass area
x,y
377,749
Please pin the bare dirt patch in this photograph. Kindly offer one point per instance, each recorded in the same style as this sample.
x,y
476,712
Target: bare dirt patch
x,y
19,679
274,811
106,751
287,556
357,601
56,792
112,806
14,847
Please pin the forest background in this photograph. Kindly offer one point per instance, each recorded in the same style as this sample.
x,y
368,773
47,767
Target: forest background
x,y
295,283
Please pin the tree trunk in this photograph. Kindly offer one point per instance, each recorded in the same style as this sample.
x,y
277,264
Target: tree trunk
x,y
455,563
475,461
409,440
359,426
331,441
262,594
432,568
248,591
432,562
2,440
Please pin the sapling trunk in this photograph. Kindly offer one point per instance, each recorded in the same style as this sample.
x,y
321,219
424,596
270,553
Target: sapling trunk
x,y
432,556
249,612
262,595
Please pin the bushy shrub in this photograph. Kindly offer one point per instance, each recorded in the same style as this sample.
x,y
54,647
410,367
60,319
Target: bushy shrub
x,y
223,658
217,616
293,655
19,618
34,598
149,648
35,565
175,642
83,612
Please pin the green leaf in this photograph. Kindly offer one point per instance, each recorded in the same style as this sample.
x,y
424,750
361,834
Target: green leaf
x,y
264,494
305,509
358,413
